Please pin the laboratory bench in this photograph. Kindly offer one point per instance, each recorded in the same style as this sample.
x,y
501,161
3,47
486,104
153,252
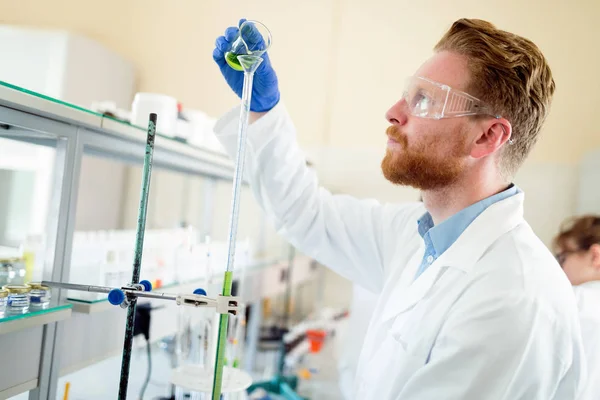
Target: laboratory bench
x,y
74,333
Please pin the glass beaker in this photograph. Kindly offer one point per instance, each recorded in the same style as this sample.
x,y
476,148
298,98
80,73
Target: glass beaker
x,y
254,38
11,270
3,301
39,294
18,299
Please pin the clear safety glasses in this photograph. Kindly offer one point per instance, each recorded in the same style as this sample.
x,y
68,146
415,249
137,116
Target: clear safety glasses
x,y
429,99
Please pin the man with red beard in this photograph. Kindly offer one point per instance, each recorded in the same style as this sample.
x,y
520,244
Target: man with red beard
x,y
471,304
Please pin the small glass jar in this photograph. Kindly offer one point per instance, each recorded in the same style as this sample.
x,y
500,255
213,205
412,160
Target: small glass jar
x,y
39,294
18,299
3,301
7,271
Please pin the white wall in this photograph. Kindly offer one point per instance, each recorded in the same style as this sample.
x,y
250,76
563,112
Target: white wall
x,y
550,195
589,185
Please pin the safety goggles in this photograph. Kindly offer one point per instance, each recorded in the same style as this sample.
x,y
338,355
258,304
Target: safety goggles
x,y
429,99
562,256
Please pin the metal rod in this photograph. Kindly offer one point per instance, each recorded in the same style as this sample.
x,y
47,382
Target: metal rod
x,y
105,289
137,262
75,286
153,295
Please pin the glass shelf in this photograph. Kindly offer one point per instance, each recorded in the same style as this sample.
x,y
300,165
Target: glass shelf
x,y
52,99
104,117
55,311
37,118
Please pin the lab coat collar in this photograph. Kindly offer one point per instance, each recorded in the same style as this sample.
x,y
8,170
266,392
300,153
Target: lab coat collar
x,y
498,219
444,234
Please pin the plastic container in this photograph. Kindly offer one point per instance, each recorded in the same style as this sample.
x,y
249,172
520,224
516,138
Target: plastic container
x,y
18,299
164,106
3,300
39,295
316,339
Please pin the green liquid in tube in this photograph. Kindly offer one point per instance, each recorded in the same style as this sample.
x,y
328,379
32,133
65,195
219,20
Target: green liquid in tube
x,y
222,339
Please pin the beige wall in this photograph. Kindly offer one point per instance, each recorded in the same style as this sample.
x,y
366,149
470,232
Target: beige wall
x,y
171,43
344,64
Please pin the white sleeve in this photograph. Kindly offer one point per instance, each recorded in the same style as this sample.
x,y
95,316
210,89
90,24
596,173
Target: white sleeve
x,y
341,232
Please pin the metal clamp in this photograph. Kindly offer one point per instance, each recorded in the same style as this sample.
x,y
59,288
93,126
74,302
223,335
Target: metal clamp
x,y
222,304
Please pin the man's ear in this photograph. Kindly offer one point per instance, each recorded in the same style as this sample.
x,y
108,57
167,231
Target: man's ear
x,y
595,250
495,133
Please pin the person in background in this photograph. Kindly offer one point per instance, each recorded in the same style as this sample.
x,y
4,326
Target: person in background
x,y
577,249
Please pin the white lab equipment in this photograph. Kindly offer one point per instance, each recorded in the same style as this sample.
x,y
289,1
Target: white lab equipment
x,y
493,315
170,256
202,127
65,66
160,104
588,301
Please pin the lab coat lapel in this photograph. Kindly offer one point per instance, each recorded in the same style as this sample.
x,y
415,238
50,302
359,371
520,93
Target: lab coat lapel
x,y
408,291
495,221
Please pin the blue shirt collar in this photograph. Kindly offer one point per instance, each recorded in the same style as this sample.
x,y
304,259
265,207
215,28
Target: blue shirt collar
x,y
443,235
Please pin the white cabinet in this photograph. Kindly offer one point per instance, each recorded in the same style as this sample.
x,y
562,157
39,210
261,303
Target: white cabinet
x,y
65,66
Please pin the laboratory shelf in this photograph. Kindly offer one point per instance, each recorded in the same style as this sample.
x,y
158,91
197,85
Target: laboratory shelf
x,y
27,100
18,389
55,339
35,317
97,134
90,307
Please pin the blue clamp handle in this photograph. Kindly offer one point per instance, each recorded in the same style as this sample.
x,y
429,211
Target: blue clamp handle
x,y
147,285
200,292
116,297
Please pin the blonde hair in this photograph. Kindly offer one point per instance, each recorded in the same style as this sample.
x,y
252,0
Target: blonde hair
x,y
511,75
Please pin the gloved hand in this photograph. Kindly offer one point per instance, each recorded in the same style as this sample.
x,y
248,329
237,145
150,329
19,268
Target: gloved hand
x,y
265,88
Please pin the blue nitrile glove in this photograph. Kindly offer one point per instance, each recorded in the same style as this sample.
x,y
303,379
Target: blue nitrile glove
x,y
265,88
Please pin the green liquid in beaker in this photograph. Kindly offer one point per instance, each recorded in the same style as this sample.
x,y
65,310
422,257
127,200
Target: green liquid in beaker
x,y
232,61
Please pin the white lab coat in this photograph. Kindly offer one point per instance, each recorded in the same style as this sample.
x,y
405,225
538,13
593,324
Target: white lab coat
x,y
361,311
494,317
588,301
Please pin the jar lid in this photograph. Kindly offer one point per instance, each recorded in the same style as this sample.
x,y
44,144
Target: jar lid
x,y
11,260
3,293
37,285
17,289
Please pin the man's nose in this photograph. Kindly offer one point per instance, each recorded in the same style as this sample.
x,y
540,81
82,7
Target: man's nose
x,y
397,114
